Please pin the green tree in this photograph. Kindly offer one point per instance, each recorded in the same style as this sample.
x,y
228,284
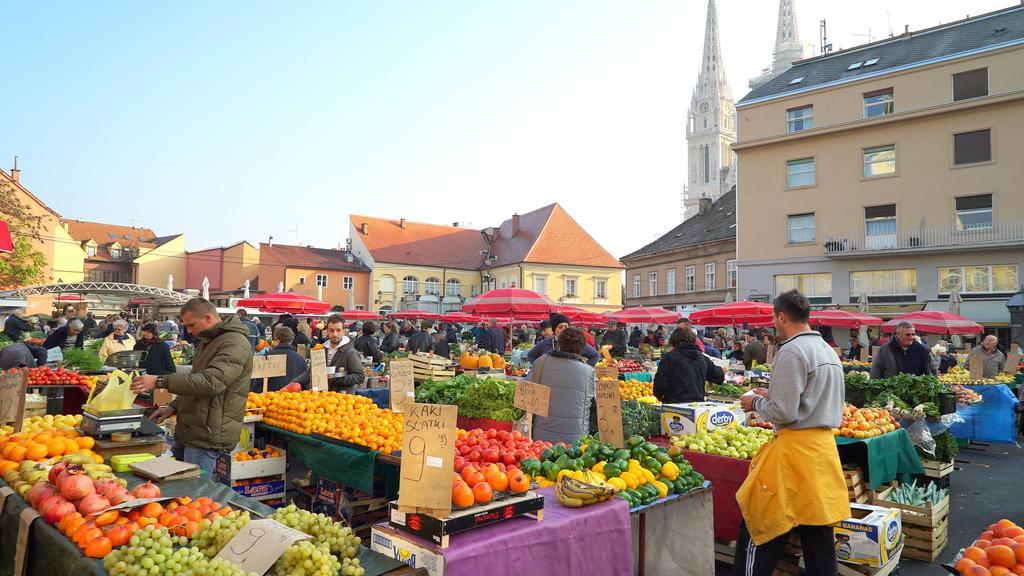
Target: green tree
x,y
25,265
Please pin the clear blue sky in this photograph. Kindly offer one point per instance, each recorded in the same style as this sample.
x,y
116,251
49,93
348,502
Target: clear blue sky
x,y
233,120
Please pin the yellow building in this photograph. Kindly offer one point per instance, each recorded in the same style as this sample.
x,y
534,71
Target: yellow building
x,y
890,170
128,254
334,276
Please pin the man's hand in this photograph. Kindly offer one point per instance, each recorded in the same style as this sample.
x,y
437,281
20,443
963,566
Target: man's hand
x,y
145,383
747,401
762,392
162,413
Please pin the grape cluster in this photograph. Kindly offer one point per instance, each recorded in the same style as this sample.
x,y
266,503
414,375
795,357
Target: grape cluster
x,y
343,543
213,535
307,559
151,552
351,567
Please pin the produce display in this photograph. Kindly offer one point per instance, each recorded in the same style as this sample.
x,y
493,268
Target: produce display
x,y
998,551
40,446
962,376
914,495
81,359
964,395
639,418
946,448
904,391
865,422
627,366
154,551
591,488
246,455
46,423
725,389
490,398
494,447
347,417
471,360
636,390
741,442
182,352
856,364
511,370
43,376
473,486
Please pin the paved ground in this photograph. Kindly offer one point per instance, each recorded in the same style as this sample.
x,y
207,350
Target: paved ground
x,y
987,485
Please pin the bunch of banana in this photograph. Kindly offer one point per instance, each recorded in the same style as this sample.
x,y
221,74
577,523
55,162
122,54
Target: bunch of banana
x,y
573,493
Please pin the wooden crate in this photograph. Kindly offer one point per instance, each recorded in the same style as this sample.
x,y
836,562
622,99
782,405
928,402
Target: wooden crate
x,y
420,375
427,361
925,528
936,469
856,490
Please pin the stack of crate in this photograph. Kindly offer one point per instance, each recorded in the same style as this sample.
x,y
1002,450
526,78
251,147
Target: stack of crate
x,y
431,367
925,528
856,488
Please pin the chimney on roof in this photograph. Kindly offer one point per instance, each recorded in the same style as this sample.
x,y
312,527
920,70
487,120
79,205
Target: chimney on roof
x,y
456,224
15,173
515,224
705,206
348,256
401,223
364,229
270,242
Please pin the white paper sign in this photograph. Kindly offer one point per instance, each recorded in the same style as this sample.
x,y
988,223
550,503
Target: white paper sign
x,y
259,544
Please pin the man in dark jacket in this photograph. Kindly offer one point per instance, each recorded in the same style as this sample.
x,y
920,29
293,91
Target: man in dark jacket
x,y
421,340
616,339
88,324
855,348
158,354
16,325
636,337
366,344
295,365
21,355
492,338
344,365
210,401
67,336
683,371
754,352
545,346
902,355
254,332
451,335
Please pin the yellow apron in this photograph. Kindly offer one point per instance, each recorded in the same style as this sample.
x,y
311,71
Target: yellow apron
x,y
794,480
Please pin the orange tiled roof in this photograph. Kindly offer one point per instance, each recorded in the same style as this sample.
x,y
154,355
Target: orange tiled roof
x,y
309,257
141,240
419,244
549,235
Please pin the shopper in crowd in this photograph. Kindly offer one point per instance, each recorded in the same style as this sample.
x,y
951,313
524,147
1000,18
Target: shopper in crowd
x,y
451,334
119,340
492,338
366,343
942,359
685,323
902,355
131,327
22,355
408,329
754,351
635,337
855,349
720,340
88,324
210,401
544,331
796,480
683,370
16,325
254,331
421,340
659,333
305,329
571,382
441,344
560,322
989,356
70,335
158,360
737,351
343,361
283,344
710,349
617,339
389,343
169,325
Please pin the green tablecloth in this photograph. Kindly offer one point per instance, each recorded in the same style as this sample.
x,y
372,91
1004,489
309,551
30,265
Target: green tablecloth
x,y
883,458
351,467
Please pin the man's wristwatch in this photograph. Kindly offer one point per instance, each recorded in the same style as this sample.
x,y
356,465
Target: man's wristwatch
x,y
161,382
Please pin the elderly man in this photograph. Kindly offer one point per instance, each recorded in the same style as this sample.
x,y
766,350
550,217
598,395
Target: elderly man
x,y
16,325
902,355
991,359
70,335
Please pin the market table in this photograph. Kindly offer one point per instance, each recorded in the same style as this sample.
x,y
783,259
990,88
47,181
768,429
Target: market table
x,y
994,419
883,458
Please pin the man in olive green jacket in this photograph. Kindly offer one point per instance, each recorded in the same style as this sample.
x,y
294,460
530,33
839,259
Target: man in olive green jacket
x,y
210,403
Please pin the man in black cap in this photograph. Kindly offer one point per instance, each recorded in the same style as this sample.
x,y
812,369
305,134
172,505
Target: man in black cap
x,y
616,338
560,322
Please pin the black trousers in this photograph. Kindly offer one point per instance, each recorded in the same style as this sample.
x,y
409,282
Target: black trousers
x,y
817,542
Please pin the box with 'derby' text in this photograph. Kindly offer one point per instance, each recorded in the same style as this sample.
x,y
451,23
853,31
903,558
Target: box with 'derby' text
x,y
692,417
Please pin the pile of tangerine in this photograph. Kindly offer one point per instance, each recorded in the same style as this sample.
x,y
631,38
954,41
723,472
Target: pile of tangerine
x,y
38,446
347,417
998,552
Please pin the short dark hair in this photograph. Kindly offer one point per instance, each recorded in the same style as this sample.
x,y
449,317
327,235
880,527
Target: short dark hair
x,y
199,307
682,336
572,340
284,334
335,319
794,305
369,328
241,313
426,324
151,328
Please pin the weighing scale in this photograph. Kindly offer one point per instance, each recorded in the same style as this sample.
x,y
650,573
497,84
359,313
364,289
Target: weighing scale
x,y
103,422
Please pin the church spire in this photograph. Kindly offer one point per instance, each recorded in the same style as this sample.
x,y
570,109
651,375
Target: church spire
x,y
788,48
711,81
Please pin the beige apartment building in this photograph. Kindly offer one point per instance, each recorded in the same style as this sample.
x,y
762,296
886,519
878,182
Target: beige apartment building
x,y
891,170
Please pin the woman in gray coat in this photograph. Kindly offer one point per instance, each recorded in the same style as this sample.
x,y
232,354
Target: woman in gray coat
x,y
571,382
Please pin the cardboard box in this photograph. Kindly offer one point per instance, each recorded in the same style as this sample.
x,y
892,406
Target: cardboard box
x,y
303,498
694,417
240,476
269,490
411,551
438,530
871,537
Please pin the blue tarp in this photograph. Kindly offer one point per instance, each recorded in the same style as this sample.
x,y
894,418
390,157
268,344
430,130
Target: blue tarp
x,y
994,419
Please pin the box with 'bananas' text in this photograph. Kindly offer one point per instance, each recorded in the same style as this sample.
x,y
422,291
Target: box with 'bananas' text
x,y
415,553
872,536
692,417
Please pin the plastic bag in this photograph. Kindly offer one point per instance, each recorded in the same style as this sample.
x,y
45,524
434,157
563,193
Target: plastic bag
x,y
921,436
116,395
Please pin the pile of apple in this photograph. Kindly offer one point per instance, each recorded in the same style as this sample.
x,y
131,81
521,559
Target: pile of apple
x,y
865,422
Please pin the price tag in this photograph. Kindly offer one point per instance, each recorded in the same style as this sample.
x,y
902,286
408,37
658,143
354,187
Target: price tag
x,y
1012,361
318,370
269,366
770,354
606,372
976,363
609,412
532,397
864,354
428,441
12,397
259,544
401,385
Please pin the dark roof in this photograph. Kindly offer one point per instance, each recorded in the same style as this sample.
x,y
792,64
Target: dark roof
x,y
718,223
309,257
975,33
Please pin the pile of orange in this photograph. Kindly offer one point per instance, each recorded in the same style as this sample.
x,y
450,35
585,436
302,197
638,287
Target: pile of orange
x,y
38,446
348,417
998,552
246,455
475,486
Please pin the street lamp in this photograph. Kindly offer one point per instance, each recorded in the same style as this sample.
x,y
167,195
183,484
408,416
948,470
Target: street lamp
x,y
1016,307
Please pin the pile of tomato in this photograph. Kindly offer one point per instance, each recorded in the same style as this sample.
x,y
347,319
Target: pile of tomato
x,y
494,447
44,375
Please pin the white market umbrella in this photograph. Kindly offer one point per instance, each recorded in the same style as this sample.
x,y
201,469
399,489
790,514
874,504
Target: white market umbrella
x,y
954,308
862,307
206,288
245,288
170,282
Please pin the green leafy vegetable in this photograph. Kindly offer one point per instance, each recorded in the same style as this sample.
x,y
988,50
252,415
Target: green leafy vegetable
x,y
77,359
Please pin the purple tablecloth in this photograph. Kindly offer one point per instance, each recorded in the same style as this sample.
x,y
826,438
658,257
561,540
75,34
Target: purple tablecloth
x,y
585,541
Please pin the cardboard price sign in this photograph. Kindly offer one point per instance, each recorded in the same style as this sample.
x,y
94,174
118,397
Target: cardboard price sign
x,y
976,366
770,354
609,412
532,397
12,397
401,385
269,366
863,354
428,457
1012,361
318,370
259,544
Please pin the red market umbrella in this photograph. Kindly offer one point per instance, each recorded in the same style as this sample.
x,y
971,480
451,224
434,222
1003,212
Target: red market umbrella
x,y
643,315
6,244
581,316
742,312
510,302
415,314
357,314
935,322
842,319
461,317
285,303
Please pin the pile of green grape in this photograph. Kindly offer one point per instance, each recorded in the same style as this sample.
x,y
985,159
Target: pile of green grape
x,y
343,543
151,552
307,559
213,535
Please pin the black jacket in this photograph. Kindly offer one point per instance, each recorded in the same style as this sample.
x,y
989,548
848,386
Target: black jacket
x,y
367,346
14,327
492,340
420,341
295,366
635,337
946,362
854,353
546,345
617,340
682,373
441,345
390,342
158,357
451,335
58,337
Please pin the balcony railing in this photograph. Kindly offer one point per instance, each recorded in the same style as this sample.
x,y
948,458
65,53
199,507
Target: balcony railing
x,y
925,239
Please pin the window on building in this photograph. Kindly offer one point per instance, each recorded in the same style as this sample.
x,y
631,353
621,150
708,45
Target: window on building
x,y
601,288
570,288
347,282
474,290
707,160
878,103
410,285
670,281
540,284
978,279
452,287
801,228
974,212
302,280
817,286
709,276
432,286
901,282
636,286
690,277
115,253
971,147
321,280
652,284
90,250
880,226
730,273
970,84
798,119
800,172
880,160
